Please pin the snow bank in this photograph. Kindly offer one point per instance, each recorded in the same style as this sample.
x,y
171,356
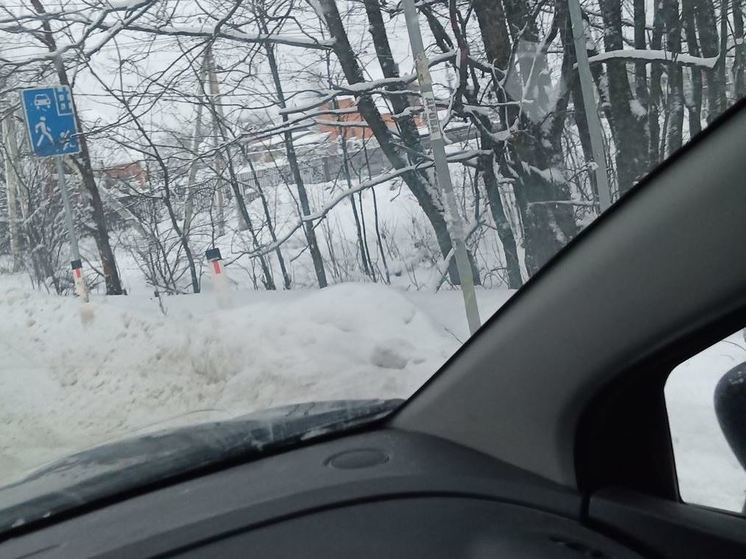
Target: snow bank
x,y
73,377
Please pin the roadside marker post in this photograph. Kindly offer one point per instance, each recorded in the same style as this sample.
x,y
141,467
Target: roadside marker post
x,y
80,286
219,279
216,261
53,132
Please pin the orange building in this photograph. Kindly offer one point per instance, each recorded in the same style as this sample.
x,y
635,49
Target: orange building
x,y
133,173
349,118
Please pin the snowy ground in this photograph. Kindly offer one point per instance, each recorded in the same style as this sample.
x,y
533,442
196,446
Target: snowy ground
x,y
72,376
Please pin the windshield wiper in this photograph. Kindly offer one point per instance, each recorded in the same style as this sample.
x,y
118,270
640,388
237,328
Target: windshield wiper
x,y
80,480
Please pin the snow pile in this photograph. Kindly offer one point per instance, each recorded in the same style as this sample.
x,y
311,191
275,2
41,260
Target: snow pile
x,y
73,377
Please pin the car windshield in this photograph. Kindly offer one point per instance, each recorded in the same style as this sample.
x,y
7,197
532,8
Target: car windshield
x,y
210,208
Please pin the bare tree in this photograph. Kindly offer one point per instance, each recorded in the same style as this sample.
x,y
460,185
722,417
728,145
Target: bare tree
x,y
243,82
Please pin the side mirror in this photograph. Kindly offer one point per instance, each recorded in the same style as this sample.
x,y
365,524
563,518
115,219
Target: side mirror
x,y
730,408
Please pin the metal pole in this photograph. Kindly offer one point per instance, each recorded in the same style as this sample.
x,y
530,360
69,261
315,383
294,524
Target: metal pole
x,y
196,139
11,183
74,250
442,174
589,102
217,115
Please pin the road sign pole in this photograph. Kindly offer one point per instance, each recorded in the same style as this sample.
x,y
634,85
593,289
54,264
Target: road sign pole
x,y
53,132
80,287
442,174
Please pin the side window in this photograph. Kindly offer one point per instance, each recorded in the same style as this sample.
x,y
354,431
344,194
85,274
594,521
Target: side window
x,y
706,402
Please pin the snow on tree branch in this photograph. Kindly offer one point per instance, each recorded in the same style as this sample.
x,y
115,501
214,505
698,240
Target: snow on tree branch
x,y
368,87
647,56
234,35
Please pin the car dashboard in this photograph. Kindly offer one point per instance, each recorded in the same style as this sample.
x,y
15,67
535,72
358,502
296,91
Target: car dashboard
x,y
384,493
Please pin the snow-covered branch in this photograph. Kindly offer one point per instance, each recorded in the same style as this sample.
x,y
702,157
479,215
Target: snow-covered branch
x,y
379,86
134,9
234,35
644,55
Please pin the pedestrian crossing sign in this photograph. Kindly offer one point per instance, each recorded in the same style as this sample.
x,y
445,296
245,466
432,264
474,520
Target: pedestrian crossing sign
x,y
50,120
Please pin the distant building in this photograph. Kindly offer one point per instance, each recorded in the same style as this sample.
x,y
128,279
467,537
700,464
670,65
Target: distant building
x,y
133,174
350,117
322,137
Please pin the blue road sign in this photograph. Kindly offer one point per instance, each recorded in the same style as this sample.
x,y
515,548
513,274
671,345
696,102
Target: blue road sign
x,y
50,119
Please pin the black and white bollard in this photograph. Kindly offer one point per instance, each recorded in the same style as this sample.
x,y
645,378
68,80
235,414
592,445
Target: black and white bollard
x,y
219,279
81,289
216,261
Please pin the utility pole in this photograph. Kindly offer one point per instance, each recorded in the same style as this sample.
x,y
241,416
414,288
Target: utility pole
x,y
589,102
442,174
196,140
215,94
11,185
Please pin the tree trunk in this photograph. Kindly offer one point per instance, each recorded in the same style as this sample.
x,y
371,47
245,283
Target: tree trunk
x,y
346,168
410,137
82,162
675,97
723,57
504,232
656,92
379,239
268,280
739,61
485,162
313,247
629,128
693,89
400,103
270,226
184,241
416,182
704,13
365,236
641,78
530,153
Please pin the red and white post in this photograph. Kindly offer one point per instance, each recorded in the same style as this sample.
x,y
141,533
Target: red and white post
x,y
81,289
219,279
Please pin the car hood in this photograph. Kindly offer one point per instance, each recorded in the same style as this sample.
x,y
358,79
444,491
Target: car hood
x,y
105,472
